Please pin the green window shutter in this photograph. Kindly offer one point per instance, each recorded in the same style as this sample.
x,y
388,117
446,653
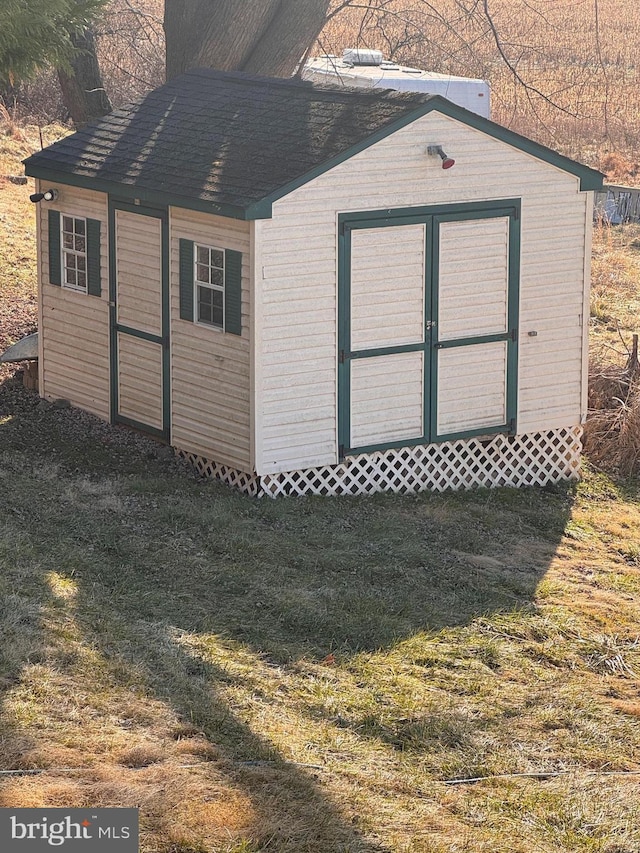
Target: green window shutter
x,y
186,280
55,260
94,286
232,292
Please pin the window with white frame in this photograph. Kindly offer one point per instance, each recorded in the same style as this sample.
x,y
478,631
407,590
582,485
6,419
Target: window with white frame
x,y
74,253
209,285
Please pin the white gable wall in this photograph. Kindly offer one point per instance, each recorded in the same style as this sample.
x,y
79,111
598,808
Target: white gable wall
x,y
295,277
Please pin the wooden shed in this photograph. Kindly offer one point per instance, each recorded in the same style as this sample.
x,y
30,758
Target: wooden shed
x,y
284,283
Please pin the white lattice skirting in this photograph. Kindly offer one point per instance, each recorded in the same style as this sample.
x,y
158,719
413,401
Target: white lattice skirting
x,y
247,483
533,459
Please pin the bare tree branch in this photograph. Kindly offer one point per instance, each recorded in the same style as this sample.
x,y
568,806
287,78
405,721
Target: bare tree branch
x,y
529,89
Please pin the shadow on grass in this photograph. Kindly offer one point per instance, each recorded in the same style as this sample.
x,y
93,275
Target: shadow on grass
x,y
155,553
24,596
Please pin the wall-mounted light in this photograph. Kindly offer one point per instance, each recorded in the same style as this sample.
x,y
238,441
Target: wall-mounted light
x,y
47,195
436,150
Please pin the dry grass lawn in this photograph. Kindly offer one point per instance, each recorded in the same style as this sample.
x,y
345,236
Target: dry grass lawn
x,y
18,285
615,292
309,675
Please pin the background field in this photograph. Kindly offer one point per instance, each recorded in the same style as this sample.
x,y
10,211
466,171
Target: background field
x,y
580,70
573,83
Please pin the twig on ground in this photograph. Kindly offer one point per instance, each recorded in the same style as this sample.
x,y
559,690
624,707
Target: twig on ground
x,y
542,774
38,770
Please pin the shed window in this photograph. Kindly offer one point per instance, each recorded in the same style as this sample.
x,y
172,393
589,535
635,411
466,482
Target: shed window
x,y
209,284
74,253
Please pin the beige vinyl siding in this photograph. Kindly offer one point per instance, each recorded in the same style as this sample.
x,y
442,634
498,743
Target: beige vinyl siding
x,y
140,380
74,327
297,277
210,369
139,271
473,278
473,283
387,395
387,286
550,372
472,392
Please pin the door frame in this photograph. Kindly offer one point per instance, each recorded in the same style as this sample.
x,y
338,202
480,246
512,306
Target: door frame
x,y
116,328
430,216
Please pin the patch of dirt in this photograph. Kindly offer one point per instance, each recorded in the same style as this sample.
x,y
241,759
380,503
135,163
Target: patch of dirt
x,y
72,438
17,319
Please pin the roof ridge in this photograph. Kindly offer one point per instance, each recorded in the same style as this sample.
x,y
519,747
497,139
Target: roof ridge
x,y
241,76
324,89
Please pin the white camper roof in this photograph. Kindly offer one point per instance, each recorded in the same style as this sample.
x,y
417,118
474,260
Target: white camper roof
x,y
471,93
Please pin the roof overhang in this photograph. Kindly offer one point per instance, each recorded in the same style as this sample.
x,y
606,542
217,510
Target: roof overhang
x,y
130,192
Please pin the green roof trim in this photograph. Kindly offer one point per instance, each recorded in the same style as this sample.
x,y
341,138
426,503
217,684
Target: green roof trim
x,y
590,179
129,192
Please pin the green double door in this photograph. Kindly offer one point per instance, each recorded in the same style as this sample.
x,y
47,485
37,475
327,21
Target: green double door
x,y
428,314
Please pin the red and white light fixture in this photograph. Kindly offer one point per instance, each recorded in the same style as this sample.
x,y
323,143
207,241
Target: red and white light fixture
x,y
436,150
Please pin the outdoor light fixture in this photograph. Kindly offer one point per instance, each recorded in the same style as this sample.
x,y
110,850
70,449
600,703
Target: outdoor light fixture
x,y
48,195
447,162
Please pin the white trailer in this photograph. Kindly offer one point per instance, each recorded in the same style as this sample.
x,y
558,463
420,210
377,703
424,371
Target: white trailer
x,y
368,69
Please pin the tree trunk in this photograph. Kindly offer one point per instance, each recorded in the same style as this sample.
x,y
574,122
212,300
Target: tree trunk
x,y
82,90
292,30
259,36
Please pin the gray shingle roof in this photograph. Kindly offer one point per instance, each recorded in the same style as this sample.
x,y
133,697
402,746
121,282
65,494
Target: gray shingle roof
x,y
224,138
231,143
